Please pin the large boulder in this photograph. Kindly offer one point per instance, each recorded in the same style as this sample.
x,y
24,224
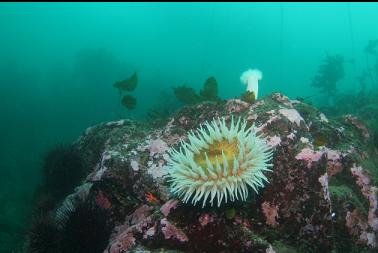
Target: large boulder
x,y
321,195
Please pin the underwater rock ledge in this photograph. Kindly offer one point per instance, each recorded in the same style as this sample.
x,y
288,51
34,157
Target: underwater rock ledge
x,y
321,195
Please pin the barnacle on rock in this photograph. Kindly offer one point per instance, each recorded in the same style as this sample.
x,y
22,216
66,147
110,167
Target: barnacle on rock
x,y
219,162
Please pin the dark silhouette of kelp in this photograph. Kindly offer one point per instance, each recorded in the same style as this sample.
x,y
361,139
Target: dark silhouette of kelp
x,y
129,102
329,73
127,85
188,96
210,90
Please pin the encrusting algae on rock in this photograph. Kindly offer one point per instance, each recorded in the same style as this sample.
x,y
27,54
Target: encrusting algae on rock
x,y
325,196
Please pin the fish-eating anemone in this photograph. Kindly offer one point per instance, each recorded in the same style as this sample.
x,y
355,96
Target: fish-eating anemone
x,y
219,163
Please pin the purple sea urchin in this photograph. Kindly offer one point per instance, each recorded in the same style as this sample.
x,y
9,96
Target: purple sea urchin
x,y
219,162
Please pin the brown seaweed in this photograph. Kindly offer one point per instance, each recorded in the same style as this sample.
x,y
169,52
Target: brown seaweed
x,y
210,90
129,102
186,95
128,84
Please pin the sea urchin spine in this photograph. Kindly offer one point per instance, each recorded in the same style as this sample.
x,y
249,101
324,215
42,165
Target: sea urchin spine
x,y
219,162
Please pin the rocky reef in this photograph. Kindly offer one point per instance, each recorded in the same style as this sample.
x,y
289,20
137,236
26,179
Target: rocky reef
x,y
322,194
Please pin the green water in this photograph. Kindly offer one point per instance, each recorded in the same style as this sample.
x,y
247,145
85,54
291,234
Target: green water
x,y
58,63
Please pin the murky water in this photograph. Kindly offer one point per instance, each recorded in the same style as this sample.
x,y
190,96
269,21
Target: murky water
x,y
59,63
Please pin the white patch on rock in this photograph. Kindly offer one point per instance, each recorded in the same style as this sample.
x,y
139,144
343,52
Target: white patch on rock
x,y
323,180
304,140
270,249
274,141
157,171
292,115
291,136
157,146
323,118
134,165
116,123
101,168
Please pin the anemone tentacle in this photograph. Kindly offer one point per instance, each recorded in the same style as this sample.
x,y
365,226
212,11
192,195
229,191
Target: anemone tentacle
x,y
219,163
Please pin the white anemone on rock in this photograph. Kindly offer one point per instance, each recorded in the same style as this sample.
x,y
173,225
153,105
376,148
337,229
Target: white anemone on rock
x,y
251,78
219,163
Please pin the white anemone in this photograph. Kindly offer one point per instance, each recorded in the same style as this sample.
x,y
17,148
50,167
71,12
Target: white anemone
x,y
219,163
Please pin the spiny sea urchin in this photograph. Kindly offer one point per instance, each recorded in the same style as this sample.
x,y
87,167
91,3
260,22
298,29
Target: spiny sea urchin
x,y
219,162
85,227
43,235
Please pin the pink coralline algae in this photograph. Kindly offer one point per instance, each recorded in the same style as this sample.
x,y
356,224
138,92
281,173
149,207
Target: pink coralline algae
x,y
252,117
157,170
122,244
362,179
171,231
168,206
358,227
283,99
236,105
124,238
257,104
292,115
150,232
369,238
102,201
158,149
274,141
244,222
372,217
334,168
205,219
271,213
157,146
323,180
270,121
309,156
140,214
355,221
359,125
333,155
334,165
168,127
370,193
